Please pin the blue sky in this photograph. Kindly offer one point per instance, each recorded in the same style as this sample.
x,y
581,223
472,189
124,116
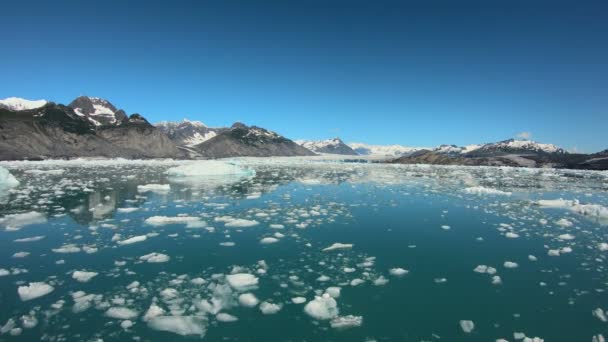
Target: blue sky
x,y
418,73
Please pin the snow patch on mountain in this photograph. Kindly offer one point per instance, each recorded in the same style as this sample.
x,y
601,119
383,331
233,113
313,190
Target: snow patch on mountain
x,y
384,150
17,103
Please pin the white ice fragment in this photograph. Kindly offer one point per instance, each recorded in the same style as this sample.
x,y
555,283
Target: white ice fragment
x,y
345,322
248,300
181,325
338,245
398,271
298,300
510,264
242,281
132,240
268,308
480,190
83,276
120,312
34,290
15,222
467,326
153,311
268,240
322,307
224,317
241,223
599,313
155,257
156,188
7,180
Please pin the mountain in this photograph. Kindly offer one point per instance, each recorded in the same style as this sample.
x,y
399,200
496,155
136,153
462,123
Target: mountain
x,y
241,140
57,131
518,153
188,133
17,103
330,146
98,111
383,150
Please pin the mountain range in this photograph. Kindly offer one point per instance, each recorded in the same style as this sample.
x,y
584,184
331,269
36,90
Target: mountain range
x,y
94,127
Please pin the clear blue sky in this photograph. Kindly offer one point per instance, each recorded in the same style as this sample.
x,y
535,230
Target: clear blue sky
x,y
418,73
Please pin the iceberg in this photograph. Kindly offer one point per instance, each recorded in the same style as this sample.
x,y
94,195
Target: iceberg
x,y
7,180
208,173
34,290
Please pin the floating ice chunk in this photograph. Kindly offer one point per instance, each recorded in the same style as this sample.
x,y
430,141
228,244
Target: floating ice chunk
x,y
496,280
29,322
510,264
333,291
277,226
298,300
532,257
345,322
126,210
480,269
511,235
269,240
224,317
356,282
30,239
248,300
600,314
241,223
155,257
598,338
467,326
132,240
83,276
445,227
242,281
15,222
594,210
120,312
21,254
398,271
34,290
553,252
205,168
66,249
322,307
269,308
126,324
153,311
338,245
566,237
7,180
480,190
166,220
603,246
181,325
156,188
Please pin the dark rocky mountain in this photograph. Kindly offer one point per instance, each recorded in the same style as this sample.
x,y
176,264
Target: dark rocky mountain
x,y
98,111
241,140
515,153
188,133
57,131
331,146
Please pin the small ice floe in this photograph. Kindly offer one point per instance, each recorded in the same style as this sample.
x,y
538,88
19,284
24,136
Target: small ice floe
x,y
268,240
532,258
380,281
226,318
156,188
120,312
34,290
14,222
467,326
7,180
30,239
55,172
126,210
445,227
126,324
346,322
181,325
19,255
356,282
153,311
337,246
242,281
209,168
333,291
241,223
603,246
510,264
600,314
67,249
298,300
484,269
155,257
83,276
167,220
496,280
132,240
248,300
322,307
398,271
566,237
593,210
268,308
564,222
276,226
480,190
511,235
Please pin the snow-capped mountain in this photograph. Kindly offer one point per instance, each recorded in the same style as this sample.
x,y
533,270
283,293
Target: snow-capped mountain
x,y
516,146
187,132
383,150
330,146
252,141
98,111
453,149
17,103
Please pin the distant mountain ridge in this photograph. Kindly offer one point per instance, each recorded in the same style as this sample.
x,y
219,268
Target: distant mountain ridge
x,y
330,146
188,133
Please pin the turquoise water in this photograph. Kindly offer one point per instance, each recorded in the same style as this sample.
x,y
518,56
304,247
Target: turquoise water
x,y
434,222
